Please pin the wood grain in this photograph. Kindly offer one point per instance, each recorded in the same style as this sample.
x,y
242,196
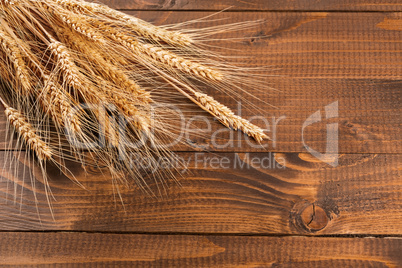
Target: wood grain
x,y
125,250
239,208
259,5
222,193
316,59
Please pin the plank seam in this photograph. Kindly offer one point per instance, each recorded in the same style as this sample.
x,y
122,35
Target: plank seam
x,y
346,236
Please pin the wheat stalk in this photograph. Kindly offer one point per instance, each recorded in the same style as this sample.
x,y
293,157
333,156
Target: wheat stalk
x,y
58,103
129,109
27,133
145,29
76,23
14,53
228,118
8,2
72,5
80,26
71,73
139,26
166,57
171,59
108,69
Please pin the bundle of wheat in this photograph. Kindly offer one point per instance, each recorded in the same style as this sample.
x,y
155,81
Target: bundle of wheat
x,y
57,55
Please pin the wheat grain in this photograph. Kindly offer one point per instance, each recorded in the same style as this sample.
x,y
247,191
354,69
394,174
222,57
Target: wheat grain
x,y
79,25
166,57
171,59
14,53
145,29
228,118
121,79
140,27
104,94
72,5
106,68
28,134
129,109
8,2
57,102
73,21
71,73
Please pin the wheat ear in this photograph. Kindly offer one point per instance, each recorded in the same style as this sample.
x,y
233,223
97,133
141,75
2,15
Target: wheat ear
x,y
76,23
228,118
14,54
106,68
70,70
141,122
72,5
141,27
173,60
58,103
7,2
27,133
80,26
145,29
219,111
166,57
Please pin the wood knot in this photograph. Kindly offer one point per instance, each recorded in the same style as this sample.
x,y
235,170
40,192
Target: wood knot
x,y
309,217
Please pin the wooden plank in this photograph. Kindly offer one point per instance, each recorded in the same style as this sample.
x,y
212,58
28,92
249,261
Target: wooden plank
x,y
259,5
369,119
305,45
126,250
221,193
316,59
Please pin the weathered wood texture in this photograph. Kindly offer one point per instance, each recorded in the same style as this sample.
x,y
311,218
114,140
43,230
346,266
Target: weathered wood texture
x,y
124,250
223,193
259,5
316,59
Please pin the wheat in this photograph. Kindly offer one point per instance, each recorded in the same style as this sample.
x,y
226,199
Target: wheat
x,y
128,85
76,23
148,30
166,57
79,25
58,103
106,68
145,29
140,27
228,118
7,2
72,5
128,108
14,53
66,52
171,59
71,73
121,79
28,134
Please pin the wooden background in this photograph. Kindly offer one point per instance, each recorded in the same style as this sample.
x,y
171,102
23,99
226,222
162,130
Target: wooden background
x,y
306,215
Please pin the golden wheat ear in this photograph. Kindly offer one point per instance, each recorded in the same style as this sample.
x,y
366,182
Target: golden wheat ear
x,y
138,26
228,118
27,133
15,55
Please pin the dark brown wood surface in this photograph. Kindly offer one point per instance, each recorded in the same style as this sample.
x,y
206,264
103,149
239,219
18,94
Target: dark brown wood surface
x,y
237,205
126,250
224,193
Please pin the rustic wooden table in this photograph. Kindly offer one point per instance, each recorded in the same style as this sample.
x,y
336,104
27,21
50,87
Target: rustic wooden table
x,y
309,214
